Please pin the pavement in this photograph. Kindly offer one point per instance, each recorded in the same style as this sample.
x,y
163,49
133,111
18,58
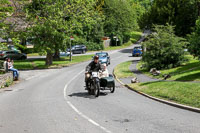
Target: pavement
x,y
141,77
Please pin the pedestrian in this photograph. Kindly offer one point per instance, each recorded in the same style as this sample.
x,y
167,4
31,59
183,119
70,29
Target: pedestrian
x,y
11,68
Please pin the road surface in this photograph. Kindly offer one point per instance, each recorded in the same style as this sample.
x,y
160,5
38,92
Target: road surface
x,y
54,101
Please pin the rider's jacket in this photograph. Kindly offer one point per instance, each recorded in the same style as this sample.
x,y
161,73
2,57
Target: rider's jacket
x,y
95,67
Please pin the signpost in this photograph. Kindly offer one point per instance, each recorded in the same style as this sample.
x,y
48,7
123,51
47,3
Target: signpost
x,y
71,38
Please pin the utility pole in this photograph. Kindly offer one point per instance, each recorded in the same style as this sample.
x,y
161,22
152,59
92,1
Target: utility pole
x,y
71,38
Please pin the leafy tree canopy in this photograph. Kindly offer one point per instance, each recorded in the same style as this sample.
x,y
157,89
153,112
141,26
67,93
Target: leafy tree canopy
x,y
194,39
180,13
55,21
120,18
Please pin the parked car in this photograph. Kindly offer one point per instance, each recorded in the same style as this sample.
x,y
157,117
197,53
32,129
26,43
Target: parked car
x,y
78,49
67,53
15,55
104,57
137,51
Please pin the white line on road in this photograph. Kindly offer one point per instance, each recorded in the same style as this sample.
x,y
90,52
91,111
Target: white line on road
x,y
77,111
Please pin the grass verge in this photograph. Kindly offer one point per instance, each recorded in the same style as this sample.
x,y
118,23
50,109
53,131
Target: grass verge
x,y
189,71
122,70
33,54
135,36
179,92
40,63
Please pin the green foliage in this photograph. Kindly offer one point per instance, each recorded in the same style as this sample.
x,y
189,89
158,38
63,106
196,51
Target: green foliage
x,y
54,22
94,46
194,39
120,19
135,36
5,11
163,48
180,13
8,82
3,46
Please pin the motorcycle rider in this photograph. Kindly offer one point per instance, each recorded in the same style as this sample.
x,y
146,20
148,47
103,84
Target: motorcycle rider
x,y
94,66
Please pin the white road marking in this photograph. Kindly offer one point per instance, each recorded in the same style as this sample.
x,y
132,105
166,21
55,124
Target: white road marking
x,y
77,111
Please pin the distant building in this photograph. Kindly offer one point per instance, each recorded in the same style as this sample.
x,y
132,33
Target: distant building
x,y
106,41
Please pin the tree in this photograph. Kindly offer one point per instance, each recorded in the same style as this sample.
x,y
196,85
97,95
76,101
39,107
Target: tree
x,y
12,21
194,39
5,11
55,21
180,13
163,48
120,18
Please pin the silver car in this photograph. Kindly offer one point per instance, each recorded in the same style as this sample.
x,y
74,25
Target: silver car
x,y
14,55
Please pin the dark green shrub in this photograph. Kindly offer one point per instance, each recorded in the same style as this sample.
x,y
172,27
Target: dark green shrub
x,y
94,46
163,48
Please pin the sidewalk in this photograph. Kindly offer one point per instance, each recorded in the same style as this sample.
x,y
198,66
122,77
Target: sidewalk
x,y
141,77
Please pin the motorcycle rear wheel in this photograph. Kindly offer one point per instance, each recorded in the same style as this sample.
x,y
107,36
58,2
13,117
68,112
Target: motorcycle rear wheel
x,y
112,89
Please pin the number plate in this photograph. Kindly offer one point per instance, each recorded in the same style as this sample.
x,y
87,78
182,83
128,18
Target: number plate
x,y
95,74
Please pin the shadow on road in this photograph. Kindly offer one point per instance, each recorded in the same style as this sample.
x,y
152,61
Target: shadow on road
x,y
126,51
86,95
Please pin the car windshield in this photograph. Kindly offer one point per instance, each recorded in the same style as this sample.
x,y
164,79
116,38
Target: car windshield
x,y
101,54
137,48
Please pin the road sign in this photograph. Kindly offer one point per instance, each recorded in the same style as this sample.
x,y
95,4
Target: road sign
x,y
71,38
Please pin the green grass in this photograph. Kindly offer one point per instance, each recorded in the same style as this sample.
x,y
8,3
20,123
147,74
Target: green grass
x,y
122,70
118,47
189,71
33,54
40,63
135,36
180,92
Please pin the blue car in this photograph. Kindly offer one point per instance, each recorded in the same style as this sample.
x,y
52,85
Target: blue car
x,y
104,58
137,51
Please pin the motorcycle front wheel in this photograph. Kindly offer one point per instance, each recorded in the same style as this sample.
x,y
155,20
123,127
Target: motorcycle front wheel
x,y
95,89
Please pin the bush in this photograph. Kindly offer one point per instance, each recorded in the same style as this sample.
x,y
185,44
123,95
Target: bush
x,y
194,39
94,46
163,48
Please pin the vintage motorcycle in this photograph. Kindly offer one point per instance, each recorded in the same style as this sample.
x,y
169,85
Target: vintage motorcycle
x,y
96,84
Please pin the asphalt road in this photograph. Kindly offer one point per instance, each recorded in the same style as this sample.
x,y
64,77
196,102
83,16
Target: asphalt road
x,y
54,101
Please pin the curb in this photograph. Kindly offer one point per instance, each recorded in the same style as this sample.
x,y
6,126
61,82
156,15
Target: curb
x,y
189,108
